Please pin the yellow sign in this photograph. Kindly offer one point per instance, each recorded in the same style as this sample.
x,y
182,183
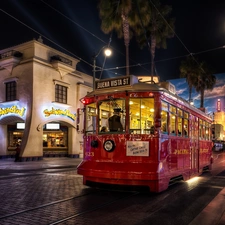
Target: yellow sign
x,y
59,112
204,150
14,110
181,151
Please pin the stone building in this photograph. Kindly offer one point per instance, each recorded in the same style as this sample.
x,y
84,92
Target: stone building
x,y
40,90
219,125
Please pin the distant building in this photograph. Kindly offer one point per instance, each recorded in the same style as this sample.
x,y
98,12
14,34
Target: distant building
x,y
40,90
217,132
219,125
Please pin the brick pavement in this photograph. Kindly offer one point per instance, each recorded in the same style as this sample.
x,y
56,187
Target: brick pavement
x,y
213,213
29,185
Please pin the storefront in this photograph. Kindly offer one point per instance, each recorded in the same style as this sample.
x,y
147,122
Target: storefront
x,y
39,102
55,140
15,134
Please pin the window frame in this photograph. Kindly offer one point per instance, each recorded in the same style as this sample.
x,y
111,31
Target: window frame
x,y
10,90
61,93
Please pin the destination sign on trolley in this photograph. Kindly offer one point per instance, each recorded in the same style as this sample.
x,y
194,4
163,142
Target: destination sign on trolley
x,y
116,82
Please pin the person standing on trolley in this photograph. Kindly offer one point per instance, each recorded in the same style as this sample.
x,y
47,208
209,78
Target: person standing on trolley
x,y
115,124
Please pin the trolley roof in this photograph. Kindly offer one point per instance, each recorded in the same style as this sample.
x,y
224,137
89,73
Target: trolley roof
x,y
132,84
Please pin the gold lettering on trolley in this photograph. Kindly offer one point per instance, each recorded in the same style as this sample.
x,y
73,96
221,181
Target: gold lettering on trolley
x,y
181,151
89,153
14,109
59,112
204,150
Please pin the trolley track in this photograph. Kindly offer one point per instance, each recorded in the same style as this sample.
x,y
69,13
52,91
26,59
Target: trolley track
x,y
41,206
80,200
100,206
78,204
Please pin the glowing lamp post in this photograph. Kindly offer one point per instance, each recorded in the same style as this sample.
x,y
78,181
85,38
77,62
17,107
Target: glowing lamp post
x,y
107,52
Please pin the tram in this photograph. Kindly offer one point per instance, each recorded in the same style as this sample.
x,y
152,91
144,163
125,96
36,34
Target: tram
x,y
142,134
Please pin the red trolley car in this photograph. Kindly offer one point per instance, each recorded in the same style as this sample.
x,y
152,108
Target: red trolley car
x,y
142,133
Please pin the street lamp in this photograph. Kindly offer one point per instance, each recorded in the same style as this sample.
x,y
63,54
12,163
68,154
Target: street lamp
x,y
107,52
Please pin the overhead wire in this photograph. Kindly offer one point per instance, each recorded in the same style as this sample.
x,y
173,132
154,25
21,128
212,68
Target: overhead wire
x,y
190,54
102,68
110,39
73,22
45,37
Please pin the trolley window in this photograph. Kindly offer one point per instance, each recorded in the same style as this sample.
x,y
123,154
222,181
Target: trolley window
x,y
196,130
207,131
112,115
173,119
201,129
186,127
141,115
179,121
164,118
91,118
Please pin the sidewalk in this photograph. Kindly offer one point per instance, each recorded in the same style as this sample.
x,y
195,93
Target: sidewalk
x,y
213,213
9,164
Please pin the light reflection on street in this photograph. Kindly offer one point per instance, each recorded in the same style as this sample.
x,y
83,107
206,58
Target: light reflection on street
x,y
192,180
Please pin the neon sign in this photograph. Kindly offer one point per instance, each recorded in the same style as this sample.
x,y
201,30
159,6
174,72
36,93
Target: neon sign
x,y
218,105
59,112
12,110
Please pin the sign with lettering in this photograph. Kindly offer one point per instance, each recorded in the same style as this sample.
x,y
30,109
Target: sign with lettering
x,y
218,105
12,110
137,148
116,82
59,112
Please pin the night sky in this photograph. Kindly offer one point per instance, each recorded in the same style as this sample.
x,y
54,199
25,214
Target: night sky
x,y
210,97
73,27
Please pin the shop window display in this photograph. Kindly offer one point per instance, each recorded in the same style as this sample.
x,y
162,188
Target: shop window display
x,y
55,138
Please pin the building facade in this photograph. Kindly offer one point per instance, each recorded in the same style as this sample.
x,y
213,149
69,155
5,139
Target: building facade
x,y
219,125
40,109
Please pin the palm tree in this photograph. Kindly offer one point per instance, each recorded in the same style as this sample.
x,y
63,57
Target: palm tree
x,y
206,81
159,28
188,70
198,75
121,15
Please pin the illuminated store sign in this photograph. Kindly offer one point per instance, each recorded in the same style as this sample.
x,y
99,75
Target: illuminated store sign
x,y
12,110
59,112
52,126
20,126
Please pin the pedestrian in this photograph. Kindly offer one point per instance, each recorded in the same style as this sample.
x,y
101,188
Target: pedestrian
x,y
104,129
17,153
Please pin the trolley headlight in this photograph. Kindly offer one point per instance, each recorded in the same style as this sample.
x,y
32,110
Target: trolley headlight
x,y
109,145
